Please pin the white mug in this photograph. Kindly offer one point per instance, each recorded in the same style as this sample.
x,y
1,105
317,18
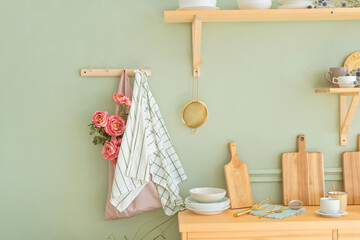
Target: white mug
x,y
346,81
329,205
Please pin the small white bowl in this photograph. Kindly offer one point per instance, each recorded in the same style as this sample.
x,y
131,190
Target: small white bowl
x,y
197,3
254,4
207,194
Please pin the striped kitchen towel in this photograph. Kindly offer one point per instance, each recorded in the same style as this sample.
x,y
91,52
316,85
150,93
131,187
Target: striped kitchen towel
x,y
146,152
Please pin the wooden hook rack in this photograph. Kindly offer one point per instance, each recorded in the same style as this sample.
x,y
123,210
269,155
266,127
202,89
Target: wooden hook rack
x,y
109,72
346,113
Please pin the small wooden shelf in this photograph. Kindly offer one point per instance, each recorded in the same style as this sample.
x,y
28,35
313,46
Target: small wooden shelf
x,y
346,114
352,91
263,15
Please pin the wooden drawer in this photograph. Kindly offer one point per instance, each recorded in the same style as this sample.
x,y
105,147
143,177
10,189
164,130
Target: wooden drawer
x,y
265,235
353,234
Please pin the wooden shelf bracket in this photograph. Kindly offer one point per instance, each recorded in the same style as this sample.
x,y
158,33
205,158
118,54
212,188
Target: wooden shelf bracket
x,y
196,44
346,113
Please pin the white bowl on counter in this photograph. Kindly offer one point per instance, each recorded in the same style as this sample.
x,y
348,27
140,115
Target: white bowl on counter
x,y
254,4
207,194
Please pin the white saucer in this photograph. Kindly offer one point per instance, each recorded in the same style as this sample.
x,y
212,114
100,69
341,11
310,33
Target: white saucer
x,y
339,214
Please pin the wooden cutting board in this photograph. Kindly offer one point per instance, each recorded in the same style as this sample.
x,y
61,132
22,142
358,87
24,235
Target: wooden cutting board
x,y
351,171
303,175
238,181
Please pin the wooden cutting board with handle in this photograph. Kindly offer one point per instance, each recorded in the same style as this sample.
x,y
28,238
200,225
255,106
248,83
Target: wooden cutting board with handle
x,y
238,181
303,175
351,174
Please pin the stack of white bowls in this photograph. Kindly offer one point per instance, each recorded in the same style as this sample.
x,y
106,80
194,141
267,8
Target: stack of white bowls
x,y
207,201
254,4
287,4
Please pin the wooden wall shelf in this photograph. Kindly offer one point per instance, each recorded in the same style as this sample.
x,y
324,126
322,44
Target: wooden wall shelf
x,y
265,15
346,114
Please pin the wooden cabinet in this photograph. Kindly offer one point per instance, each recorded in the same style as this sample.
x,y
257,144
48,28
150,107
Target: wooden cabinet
x,y
349,234
308,225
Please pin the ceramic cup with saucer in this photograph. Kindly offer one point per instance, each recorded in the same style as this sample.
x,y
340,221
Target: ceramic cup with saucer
x,y
346,81
329,205
335,72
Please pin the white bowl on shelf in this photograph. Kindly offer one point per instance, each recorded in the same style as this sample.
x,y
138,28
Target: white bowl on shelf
x,y
254,4
207,194
197,3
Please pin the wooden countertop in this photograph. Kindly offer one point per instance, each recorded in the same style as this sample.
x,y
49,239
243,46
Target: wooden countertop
x,y
191,222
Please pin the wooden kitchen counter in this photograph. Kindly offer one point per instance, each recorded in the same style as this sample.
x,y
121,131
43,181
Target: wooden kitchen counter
x,y
308,225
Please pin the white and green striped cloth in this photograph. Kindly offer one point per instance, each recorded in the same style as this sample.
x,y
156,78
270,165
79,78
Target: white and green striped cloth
x,y
146,152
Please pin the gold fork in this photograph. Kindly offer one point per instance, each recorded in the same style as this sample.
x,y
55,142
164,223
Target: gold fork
x,y
281,209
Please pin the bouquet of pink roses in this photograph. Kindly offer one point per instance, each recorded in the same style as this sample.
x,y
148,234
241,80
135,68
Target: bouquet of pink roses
x,y
109,130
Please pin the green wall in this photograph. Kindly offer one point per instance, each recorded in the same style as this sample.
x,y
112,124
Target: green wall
x,y
258,82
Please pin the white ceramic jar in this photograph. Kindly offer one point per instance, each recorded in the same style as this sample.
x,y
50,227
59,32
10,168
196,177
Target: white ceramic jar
x,y
197,3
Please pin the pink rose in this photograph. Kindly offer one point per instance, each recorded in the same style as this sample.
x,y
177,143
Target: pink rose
x,y
121,99
100,119
127,101
110,150
117,97
119,140
115,126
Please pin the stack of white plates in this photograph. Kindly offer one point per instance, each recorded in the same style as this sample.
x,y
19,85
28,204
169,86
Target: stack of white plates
x,y
287,4
206,208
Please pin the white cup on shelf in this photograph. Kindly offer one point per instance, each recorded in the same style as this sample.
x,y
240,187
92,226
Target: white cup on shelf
x,y
346,81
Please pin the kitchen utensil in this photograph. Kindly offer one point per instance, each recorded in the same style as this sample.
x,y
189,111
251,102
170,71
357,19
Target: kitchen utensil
x,y
303,175
352,62
238,181
254,4
346,81
335,72
351,175
329,205
194,114
207,194
295,204
252,208
282,208
331,215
